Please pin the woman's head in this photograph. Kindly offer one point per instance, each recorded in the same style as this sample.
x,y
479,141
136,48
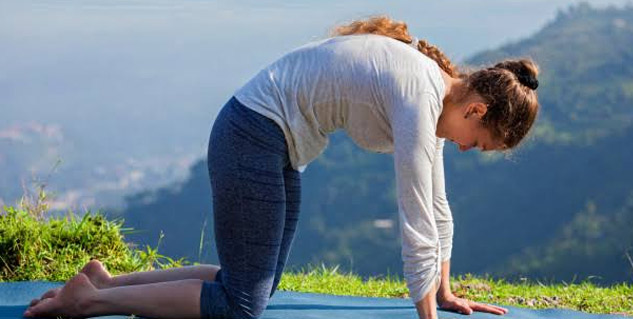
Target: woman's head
x,y
509,91
495,106
492,108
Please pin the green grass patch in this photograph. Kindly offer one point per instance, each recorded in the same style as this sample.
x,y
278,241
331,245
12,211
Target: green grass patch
x,y
321,279
55,249
584,296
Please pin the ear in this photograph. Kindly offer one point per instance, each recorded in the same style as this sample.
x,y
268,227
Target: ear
x,y
479,109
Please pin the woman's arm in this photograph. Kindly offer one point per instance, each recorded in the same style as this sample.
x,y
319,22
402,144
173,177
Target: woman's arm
x,y
413,126
445,286
444,223
443,219
427,306
447,301
441,208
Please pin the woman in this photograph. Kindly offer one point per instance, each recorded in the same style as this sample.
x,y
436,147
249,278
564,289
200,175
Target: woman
x,y
392,94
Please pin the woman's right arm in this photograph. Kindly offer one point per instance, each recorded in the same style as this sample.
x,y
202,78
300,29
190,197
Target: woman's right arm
x,y
413,127
427,306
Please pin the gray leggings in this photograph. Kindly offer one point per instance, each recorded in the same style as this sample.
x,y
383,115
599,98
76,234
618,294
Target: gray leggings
x,y
256,197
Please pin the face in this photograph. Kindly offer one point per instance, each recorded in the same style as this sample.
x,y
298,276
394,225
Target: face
x,y
462,126
472,135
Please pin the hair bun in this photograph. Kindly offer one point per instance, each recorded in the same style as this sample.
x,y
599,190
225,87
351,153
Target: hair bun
x,y
525,70
528,80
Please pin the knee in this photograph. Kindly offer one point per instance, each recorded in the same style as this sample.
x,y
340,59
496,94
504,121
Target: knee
x,y
247,308
218,302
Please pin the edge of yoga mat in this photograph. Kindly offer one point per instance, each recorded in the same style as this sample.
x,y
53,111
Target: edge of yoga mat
x,y
15,296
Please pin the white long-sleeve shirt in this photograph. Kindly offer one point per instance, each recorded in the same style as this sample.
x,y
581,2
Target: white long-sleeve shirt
x,y
387,96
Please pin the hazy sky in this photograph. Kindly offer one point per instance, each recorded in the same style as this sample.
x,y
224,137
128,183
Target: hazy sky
x,y
144,78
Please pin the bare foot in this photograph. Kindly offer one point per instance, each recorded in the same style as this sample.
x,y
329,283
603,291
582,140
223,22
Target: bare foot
x,y
49,294
70,301
96,273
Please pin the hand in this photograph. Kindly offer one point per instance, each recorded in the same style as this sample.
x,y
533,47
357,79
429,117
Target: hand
x,y
464,306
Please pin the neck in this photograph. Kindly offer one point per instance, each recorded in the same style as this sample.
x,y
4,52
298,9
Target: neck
x,y
454,89
452,94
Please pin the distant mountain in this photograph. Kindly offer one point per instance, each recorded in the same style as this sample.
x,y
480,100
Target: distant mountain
x,y
586,56
558,207
501,209
595,243
180,211
33,153
587,80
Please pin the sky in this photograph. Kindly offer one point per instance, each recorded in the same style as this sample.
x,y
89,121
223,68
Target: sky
x,y
143,80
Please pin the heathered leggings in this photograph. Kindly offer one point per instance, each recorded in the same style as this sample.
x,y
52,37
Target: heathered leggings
x,y
256,196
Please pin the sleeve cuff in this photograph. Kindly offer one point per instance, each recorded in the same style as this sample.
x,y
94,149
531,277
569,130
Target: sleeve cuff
x,y
425,289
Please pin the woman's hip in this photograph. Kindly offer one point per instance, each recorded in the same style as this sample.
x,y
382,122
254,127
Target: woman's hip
x,y
239,130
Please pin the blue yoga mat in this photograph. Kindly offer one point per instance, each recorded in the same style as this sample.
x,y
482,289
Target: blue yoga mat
x,y
15,296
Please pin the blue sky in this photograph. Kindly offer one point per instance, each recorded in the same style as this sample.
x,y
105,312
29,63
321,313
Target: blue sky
x,y
125,59
145,79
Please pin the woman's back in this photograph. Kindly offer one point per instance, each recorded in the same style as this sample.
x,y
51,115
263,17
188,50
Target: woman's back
x,y
348,82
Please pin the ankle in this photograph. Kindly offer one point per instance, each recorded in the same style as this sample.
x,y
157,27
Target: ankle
x,y
89,305
112,282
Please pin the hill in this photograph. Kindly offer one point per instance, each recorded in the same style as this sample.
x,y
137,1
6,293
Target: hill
x,y
509,213
587,81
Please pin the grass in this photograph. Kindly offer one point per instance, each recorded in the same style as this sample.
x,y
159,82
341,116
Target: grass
x,y
329,280
36,248
56,248
584,296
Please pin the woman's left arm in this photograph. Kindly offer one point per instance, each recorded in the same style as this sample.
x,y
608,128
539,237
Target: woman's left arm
x,y
447,301
445,286
444,223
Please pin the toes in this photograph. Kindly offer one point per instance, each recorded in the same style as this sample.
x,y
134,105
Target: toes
x,y
42,308
465,310
51,293
63,300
